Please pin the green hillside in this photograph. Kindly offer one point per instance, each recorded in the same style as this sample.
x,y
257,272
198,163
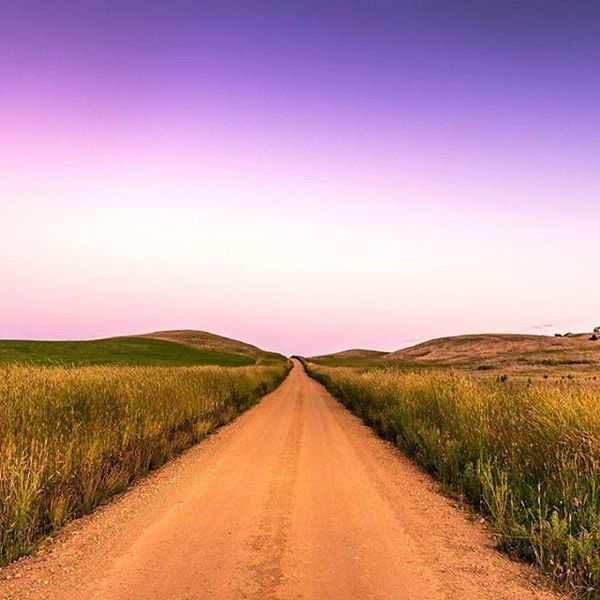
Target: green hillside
x,y
132,351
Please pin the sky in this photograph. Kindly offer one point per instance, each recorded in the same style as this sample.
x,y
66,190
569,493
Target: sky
x,y
306,176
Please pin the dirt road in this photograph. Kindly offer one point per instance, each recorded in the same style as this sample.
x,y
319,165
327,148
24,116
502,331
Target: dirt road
x,y
295,499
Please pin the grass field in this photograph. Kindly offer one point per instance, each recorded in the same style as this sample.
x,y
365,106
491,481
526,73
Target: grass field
x,y
162,349
70,437
351,358
526,455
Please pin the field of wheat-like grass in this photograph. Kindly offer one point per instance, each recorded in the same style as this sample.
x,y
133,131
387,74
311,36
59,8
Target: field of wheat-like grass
x,y
72,437
528,456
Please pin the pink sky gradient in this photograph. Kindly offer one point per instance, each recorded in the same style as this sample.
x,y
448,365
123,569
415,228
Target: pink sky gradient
x,y
301,194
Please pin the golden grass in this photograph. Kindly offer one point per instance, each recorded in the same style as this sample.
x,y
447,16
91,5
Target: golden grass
x,y
528,456
70,438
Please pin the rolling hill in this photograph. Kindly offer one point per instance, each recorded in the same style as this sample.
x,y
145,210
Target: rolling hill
x,y
530,355
215,343
169,348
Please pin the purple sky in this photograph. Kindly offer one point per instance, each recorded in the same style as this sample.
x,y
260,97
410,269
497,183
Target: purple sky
x,y
307,176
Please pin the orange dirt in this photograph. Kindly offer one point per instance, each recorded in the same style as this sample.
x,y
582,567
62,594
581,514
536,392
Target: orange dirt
x,y
295,499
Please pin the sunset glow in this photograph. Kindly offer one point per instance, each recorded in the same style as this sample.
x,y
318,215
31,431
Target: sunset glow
x,y
382,174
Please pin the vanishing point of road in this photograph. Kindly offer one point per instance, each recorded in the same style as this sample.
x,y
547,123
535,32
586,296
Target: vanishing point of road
x,y
295,499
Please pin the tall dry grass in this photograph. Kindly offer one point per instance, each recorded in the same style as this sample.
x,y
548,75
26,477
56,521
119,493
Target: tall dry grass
x,y
528,456
70,438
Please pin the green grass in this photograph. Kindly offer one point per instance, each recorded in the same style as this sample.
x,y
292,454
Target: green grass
x,y
358,362
527,456
374,362
217,343
126,351
72,437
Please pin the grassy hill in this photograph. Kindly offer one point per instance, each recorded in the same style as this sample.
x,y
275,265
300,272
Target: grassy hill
x,y
504,351
520,355
216,343
350,358
158,349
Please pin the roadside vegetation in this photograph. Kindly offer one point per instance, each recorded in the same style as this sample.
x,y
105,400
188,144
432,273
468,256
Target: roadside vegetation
x,y
526,455
71,437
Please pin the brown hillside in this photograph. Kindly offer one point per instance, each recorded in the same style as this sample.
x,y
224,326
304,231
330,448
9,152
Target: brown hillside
x,y
465,348
526,354
516,354
211,341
